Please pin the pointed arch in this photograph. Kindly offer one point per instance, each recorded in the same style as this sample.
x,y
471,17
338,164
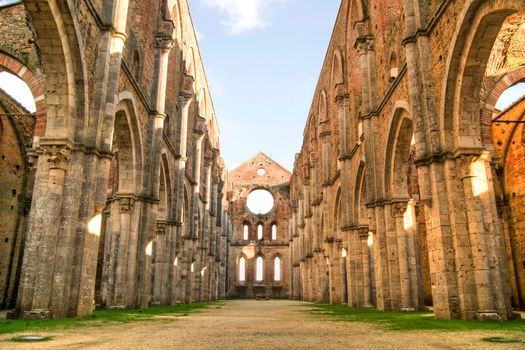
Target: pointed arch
x,y
359,212
60,49
259,268
397,153
190,69
202,104
242,265
277,268
12,65
477,29
338,220
177,19
323,107
165,189
129,152
337,71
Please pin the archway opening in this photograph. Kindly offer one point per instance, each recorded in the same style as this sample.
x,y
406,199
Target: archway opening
x,y
17,128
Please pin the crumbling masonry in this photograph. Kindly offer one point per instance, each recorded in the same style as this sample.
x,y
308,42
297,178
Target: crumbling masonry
x,y
407,191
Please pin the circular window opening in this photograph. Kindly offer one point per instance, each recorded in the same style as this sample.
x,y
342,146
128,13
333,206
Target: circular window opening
x,y
261,172
260,202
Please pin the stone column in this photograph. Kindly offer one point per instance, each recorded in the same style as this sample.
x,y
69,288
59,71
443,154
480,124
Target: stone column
x,y
367,269
381,260
392,257
37,274
407,304
351,272
126,241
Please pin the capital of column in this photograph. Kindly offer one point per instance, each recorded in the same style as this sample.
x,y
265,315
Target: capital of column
x,y
341,99
325,136
185,96
59,155
126,204
399,209
163,41
160,229
362,232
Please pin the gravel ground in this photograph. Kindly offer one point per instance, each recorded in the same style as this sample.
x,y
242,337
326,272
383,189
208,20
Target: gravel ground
x,y
248,324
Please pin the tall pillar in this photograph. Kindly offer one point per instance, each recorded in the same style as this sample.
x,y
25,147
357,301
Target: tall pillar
x,y
43,230
407,304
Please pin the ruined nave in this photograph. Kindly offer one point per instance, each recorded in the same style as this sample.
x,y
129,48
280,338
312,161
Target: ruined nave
x,y
406,194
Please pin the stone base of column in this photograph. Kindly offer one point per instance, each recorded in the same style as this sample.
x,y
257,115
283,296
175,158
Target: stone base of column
x,y
37,314
408,309
117,307
488,316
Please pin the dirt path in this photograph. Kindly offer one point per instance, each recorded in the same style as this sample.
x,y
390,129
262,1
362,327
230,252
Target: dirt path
x,y
257,325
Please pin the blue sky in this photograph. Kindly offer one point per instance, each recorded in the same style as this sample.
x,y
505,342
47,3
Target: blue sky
x,y
262,59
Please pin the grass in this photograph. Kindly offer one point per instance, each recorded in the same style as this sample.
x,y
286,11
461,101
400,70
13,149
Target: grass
x,y
103,317
405,321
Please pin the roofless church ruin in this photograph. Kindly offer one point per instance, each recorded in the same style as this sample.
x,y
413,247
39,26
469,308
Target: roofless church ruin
x,y
407,192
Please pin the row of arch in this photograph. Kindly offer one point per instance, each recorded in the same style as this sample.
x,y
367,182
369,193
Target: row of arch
x,y
115,218
259,269
260,232
408,159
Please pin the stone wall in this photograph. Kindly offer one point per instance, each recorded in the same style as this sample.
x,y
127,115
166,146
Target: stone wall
x,y
259,172
128,201
386,188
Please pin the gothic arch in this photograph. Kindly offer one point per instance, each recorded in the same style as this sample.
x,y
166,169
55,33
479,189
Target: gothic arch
x,y
491,97
239,267
359,212
190,68
177,19
338,211
61,55
357,19
202,104
126,132
465,68
165,189
397,153
17,68
323,107
337,72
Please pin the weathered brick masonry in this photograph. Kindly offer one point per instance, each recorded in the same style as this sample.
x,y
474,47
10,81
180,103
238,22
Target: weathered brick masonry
x,y
407,191
404,194
114,190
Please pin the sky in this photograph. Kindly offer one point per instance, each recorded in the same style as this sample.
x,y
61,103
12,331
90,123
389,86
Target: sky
x,y
263,59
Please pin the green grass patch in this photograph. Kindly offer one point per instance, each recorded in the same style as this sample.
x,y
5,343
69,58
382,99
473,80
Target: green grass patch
x,y
404,321
103,317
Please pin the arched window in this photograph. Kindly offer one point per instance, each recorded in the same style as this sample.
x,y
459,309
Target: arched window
x,y
242,269
274,232
259,232
259,269
245,233
277,269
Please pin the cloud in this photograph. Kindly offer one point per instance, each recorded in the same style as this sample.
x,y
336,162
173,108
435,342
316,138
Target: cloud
x,y
243,15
